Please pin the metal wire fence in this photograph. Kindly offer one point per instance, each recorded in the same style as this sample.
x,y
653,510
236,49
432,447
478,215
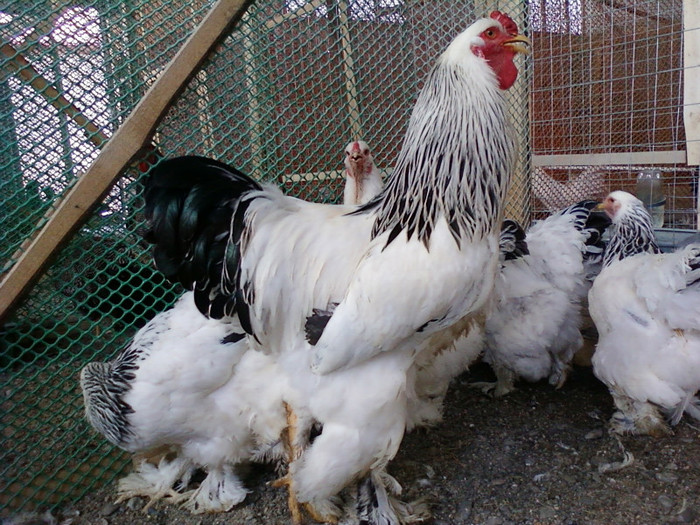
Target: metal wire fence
x,y
608,103
280,98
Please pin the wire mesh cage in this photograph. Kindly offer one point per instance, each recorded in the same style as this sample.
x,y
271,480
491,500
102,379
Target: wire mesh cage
x,y
608,103
279,98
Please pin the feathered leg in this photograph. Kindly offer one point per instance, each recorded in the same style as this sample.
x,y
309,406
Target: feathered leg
x,y
377,506
505,382
560,373
636,417
294,448
218,492
155,482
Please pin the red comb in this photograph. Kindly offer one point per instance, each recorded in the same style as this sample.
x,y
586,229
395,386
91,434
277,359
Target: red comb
x,y
506,21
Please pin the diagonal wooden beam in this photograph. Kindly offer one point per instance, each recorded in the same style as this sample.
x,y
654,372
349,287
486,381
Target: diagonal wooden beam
x,y
20,66
125,144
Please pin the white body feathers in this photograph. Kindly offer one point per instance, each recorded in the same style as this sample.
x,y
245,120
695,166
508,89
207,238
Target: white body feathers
x,y
648,351
533,331
214,403
646,307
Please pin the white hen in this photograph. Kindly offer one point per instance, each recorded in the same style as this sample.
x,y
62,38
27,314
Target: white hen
x,y
362,177
646,306
418,258
190,383
445,355
533,332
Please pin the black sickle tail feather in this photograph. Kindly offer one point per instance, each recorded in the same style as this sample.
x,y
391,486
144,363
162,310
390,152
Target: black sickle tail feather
x,y
512,242
196,208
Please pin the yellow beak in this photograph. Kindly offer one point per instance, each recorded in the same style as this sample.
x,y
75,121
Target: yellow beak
x,y
599,207
519,44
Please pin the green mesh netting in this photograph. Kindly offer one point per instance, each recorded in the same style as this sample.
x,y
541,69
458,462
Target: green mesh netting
x,y
280,98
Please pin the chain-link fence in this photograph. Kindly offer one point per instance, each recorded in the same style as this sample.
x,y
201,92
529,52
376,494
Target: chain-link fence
x,y
608,101
280,98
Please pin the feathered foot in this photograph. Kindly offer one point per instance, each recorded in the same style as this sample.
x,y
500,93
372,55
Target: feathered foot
x,y
636,417
627,459
156,482
219,492
693,408
293,450
378,506
505,382
559,375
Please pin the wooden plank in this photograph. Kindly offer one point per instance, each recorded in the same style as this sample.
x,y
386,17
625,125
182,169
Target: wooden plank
x,y
611,159
18,65
124,145
349,71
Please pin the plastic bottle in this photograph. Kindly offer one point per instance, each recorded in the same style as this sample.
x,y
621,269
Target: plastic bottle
x,y
650,191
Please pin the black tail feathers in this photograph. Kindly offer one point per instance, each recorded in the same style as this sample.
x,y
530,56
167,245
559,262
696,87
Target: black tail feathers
x,y
196,213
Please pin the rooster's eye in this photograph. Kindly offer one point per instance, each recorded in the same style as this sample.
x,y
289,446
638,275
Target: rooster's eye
x,y
490,33
347,153
366,152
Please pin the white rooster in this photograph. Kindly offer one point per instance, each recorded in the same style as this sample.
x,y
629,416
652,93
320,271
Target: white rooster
x,y
445,355
646,306
533,332
189,383
343,297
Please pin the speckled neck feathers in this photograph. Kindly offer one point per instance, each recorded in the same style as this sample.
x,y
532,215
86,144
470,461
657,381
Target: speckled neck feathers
x,y
629,235
455,160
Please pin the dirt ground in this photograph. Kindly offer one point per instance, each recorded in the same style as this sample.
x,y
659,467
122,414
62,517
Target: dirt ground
x,y
538,456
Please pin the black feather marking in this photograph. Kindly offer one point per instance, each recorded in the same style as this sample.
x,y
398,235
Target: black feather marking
x,y
637,319
367,502
316,323
512,241
633,234
243,311
425,325
392,235
233,337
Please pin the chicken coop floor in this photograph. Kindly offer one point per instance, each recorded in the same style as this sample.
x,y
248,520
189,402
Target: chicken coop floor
x,y
538,456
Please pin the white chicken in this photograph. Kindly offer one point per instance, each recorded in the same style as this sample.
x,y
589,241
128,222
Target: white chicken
x,y
445,355
362,177
189,383
122,397
342,297
533,332
646,306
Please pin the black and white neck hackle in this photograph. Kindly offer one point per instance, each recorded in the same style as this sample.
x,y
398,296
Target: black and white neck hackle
x,y
631,232
455,160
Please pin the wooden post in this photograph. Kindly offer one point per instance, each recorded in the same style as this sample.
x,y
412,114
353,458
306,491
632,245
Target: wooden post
x,y
691,77
349,71
125,144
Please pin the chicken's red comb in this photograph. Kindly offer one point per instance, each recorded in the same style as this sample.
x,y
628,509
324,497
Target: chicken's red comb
x,y
506,21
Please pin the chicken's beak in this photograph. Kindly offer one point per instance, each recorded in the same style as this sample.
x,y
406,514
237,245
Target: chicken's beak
x,y
519,44
599,207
